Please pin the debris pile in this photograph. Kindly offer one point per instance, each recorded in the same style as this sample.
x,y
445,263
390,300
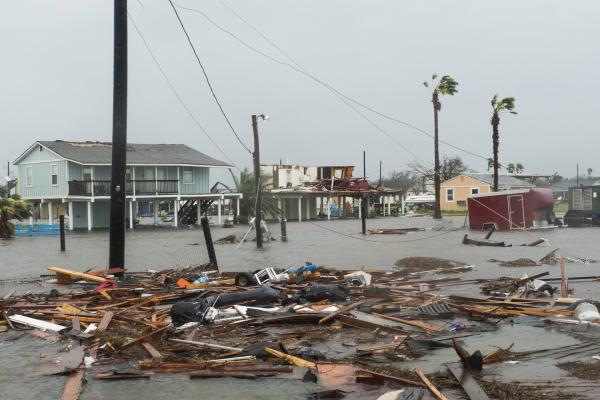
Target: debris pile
x,y
340,328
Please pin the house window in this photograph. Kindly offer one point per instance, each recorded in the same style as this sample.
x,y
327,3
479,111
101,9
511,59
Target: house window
x,y
29,176
54,174
188,175
474,190
450,194
87,173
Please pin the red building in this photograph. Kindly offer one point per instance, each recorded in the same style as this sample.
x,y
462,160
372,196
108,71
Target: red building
x,y
511,209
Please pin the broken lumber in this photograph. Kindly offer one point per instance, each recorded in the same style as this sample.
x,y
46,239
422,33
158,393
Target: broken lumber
x,y
36,323
365,375
67,276
209,345
341,311
297,361
468,383
74,385
434,391
478,242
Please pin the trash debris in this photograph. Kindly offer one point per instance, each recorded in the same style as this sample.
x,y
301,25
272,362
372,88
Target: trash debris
x,y
358,278
586,312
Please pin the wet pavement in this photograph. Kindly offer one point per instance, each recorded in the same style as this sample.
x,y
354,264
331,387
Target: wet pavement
x,y
326,243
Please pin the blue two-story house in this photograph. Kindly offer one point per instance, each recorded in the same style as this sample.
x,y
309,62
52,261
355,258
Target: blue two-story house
x,y
73,179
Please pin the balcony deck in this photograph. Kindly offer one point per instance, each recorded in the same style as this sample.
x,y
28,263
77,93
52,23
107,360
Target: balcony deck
x,y
94,188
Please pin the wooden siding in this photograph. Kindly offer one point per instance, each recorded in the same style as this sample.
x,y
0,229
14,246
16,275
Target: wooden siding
x,y
41,180
101,214
462,186
80,214
75,171
200,184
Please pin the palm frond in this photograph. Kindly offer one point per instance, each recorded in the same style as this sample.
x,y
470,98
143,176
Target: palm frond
x,y
447,86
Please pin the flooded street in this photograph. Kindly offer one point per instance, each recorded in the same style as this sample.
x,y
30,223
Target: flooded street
x,y
336,244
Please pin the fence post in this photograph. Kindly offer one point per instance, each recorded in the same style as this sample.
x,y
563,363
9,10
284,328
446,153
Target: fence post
x,y
62,232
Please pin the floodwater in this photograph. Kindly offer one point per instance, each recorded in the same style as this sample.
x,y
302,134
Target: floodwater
x,y
335,244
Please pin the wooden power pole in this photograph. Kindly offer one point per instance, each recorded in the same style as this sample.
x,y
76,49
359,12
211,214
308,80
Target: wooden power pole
x,y
258,211
119,139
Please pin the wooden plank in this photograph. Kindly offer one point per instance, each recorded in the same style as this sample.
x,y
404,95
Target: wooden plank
x,y
106,318
36,323
419,324
468,383
144,338
367,375
434,391
74,385
77,275
357,323
152,351
341,311
299,362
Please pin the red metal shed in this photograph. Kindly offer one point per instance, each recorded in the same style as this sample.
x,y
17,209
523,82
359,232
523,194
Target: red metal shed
x,y
510,209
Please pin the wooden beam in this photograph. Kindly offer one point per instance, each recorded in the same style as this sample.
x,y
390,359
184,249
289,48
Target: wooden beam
x,y
434,391
76,275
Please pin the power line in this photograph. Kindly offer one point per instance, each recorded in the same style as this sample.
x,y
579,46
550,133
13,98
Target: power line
x,y
301,70
298,68
207,79
179,98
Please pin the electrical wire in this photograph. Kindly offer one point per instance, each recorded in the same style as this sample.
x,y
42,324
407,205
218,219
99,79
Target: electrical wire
x,y
177,95
298,68
207,79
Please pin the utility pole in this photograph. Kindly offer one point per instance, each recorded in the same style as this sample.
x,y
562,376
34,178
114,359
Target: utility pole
x,y
380,178
577,174
258,211
119,140
363,202
437,212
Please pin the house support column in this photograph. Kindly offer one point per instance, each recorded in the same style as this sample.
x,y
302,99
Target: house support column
x,y
237,208
360,207
50,213
198,212
389,203
328,208
131,214
299,209
219,203
71,217
156,212
89,215
307,208
176,213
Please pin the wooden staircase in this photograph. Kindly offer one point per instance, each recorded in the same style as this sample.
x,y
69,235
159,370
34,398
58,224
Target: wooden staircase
x,y
188,212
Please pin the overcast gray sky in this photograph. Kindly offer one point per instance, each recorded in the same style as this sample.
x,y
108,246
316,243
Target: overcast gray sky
x,y
56,78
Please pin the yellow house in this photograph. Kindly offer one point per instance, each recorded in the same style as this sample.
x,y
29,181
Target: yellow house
x,y
454,192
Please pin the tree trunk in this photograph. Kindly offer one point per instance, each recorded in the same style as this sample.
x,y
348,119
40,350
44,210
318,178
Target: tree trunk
x,y
496,144
437,212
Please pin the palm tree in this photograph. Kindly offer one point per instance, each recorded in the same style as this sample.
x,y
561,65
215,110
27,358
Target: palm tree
x,y
510,168
445,86
589,172
507,104
245,185
519,168
12,208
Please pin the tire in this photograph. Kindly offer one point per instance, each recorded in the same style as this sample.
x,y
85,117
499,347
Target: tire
x,y
244,279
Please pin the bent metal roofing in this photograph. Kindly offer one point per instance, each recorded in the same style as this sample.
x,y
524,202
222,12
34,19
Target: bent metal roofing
x,y
137,153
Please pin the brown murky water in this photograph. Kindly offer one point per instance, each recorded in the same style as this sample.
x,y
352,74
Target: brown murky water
x,y
345,248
